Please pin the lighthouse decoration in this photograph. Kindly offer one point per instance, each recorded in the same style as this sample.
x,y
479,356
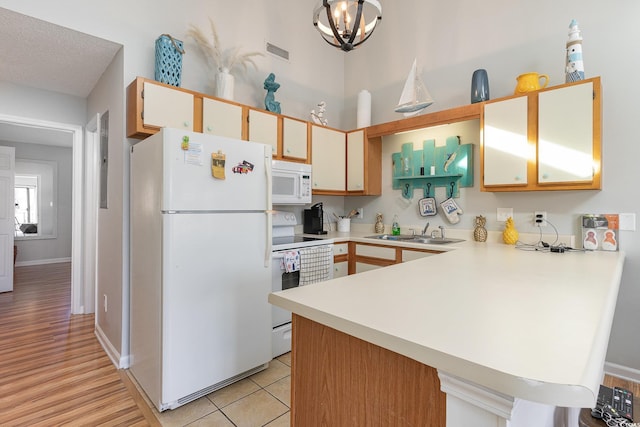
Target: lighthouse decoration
x,y
575,67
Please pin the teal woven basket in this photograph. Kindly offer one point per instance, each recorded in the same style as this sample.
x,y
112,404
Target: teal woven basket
x,y
169,53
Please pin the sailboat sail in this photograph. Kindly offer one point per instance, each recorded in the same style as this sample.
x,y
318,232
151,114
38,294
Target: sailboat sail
x,y
415,96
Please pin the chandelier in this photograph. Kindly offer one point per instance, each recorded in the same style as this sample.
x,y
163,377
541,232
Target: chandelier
x,y
343,23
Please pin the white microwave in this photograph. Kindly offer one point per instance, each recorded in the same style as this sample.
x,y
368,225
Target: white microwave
x,y
291,183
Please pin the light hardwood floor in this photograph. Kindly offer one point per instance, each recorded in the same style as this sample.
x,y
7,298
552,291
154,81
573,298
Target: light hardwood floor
x,y
53,371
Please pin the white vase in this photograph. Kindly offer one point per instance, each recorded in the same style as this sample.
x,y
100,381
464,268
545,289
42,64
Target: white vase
x,y
224,84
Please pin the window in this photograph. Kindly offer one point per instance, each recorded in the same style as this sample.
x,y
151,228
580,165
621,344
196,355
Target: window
x,y
35,190
26,204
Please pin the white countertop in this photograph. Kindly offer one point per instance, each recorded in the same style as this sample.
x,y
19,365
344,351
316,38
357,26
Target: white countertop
x,y
528,324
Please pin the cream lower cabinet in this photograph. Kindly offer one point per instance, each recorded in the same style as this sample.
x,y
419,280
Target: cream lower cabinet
x,y
329,160
167,107
340,269
409,255
263,127
545,140
340,260
221,118
370,257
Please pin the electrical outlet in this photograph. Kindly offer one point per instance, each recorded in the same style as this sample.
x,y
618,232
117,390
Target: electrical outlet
x,y
540,218
360,213
105,302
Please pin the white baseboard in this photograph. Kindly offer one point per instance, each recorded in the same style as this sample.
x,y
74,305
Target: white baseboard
x,y
42,261
111,351
623,372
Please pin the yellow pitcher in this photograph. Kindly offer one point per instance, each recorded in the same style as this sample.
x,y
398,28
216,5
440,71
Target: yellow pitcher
x,y
529,82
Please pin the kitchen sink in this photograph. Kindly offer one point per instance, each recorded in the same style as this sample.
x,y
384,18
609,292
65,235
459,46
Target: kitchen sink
x,y
392,237
416,239
435,240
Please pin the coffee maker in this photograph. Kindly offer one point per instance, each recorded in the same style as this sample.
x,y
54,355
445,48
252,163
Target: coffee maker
x,y
313,223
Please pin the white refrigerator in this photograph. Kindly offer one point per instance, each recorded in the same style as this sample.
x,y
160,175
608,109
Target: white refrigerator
x,y
200,263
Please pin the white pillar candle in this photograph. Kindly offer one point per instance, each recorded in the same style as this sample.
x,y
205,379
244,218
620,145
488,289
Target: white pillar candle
x,y
364,109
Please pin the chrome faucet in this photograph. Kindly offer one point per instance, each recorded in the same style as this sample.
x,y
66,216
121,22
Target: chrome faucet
x,y
424,230
441,231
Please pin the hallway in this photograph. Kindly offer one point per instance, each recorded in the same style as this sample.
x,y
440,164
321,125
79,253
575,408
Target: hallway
x,y
53,371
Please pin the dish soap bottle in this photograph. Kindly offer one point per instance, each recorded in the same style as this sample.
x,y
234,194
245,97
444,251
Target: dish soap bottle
x,y
395,227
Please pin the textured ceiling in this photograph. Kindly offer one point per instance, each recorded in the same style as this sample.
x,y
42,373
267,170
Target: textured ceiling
x,y
43,55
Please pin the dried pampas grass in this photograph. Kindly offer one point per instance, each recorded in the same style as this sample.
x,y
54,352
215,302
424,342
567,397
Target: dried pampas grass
x,y
218,58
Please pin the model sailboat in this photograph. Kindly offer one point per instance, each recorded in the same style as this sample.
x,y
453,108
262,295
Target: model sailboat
x,y
415,96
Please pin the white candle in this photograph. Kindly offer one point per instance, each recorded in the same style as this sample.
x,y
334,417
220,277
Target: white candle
x,y
363,116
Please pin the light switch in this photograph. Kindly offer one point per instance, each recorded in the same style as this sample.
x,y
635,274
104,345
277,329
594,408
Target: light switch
x,y
627,221
504,213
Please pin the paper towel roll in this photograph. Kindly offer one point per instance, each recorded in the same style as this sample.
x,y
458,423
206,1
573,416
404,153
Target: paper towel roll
x,y
364,109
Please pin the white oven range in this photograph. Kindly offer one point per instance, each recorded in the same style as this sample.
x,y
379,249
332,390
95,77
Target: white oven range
x,y
296,261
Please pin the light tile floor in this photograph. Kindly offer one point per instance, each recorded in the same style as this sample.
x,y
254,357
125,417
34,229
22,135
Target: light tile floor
x,y
262,399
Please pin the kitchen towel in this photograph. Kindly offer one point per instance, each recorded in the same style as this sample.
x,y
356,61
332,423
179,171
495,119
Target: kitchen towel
x,y
291,261
315,264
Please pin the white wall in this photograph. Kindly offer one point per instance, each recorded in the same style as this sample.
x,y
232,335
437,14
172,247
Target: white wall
x,y
112,269
43,250
39,104
450,41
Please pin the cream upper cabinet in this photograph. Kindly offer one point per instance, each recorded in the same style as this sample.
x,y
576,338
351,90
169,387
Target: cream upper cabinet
x,y
544,140
166,107
328,157
294,139
506,145
263,127
355,161
221,118
565,134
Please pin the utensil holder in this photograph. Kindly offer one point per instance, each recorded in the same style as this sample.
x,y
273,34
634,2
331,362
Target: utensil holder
x,y
344,225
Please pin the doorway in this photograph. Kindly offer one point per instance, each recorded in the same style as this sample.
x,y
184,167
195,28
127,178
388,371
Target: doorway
x,y
82,285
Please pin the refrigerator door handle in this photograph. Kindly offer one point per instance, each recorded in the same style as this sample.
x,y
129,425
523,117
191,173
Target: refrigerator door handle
x,y
267,168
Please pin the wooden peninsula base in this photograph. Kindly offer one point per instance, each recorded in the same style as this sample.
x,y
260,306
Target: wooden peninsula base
x,y
340,380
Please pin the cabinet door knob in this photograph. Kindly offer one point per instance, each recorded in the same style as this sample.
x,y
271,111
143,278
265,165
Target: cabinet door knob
x,y
209,128
186,124
517,178
545,175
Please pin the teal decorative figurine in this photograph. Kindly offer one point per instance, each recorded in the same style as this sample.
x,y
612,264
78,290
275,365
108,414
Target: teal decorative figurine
x,y
271,86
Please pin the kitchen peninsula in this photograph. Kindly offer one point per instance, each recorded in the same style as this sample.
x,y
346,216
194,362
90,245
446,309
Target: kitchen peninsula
x,y
479,335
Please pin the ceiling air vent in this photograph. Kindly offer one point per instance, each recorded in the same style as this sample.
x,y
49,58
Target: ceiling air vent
x,y
277,51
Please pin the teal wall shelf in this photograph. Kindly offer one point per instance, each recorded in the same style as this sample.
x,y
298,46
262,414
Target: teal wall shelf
x,y
412,169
